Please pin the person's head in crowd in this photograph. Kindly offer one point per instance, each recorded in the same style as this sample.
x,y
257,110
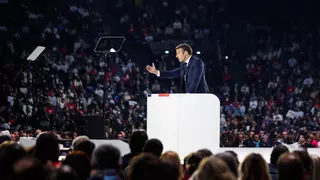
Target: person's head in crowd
x,y
79,140
203,153
277,152
311,142
30,168
301,140
106,157
315,167
251,134
4,138
74,135
274,157
290,167
185,160
306,160
153,146
22,134
213,168
137,141
191,163
40,134
285,135
37,132
64,173
29,150
256,138
86,147
235,155
241,137
254,167
173,158
170,171
145,166
15,136
230,160
10,153
80,163
47,148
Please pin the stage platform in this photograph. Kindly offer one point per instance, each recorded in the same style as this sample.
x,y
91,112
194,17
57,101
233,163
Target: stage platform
x,y
184,123
124,148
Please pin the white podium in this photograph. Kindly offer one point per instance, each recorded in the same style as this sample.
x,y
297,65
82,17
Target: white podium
x,y
184,122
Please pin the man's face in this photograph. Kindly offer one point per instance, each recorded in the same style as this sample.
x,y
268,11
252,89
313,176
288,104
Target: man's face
x,y
241,138
261,133
309,141
285,135
251,134
181,55
301,139
256,138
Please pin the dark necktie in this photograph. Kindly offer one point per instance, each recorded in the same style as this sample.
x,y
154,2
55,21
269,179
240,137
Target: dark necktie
x,y
184,77
185,72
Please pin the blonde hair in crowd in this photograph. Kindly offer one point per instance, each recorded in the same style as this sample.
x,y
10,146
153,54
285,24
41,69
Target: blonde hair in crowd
x,y
213,168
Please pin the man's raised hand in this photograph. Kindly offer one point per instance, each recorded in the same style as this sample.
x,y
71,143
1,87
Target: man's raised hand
x,y
152,69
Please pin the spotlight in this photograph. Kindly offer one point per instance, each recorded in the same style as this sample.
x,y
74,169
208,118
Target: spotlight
x,y
198,52
166,52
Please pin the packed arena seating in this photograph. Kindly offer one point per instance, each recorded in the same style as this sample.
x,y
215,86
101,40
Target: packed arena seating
x,y
67,81
268,89
261,59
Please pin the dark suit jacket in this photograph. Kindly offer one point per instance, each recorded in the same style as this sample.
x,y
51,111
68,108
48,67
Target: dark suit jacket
x,y
196,81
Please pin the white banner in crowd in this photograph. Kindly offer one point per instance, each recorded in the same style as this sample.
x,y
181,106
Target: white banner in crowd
x,y
3,133
294,114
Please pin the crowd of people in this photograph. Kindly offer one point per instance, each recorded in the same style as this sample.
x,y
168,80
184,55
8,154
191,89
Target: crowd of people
x,y
275,100
146,161
278,102
266,77
69,80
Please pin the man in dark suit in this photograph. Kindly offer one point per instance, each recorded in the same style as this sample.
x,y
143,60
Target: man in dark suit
x,y
191,71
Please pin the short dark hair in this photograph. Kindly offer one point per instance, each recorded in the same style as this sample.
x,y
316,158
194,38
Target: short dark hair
x,y
185,47
170,171
106,157
10,153
64,173
305,158
290,166
86,147
30,168
154,146
230,160
194,161
204,153
145,166
277,152
47,148
137,141
235,155
79,162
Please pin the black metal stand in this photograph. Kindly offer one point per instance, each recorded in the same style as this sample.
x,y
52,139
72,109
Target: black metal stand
x,y
104,95
28,95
